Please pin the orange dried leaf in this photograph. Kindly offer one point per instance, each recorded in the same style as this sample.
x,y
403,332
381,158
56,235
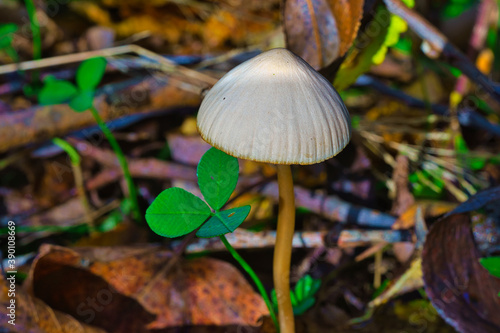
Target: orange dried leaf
x,y
145,288
321,31
348,14
34,316
429,209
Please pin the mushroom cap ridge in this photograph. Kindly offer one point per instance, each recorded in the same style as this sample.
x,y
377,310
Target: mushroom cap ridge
x,y
275,108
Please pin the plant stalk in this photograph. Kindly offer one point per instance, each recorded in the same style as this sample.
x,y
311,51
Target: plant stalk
x,y
283,248
122,160
77,173
35,30
254,277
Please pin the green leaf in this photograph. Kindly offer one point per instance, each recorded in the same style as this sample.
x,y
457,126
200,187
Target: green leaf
x,y
302,296
303,306
33,89
6,31
360,60
56,92
304,291
90,73
293,299
224,222
315,287
492,264
404,45
8,28
82,101
116,216
217,177
176,212
396,27
5,42
474,163
455,8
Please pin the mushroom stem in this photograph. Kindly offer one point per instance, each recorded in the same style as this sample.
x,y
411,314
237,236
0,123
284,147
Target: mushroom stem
x,y
283,248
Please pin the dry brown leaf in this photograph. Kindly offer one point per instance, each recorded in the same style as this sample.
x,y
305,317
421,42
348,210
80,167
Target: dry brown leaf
x,y
410,280
348,14
321,31
221,27
34,316
462,291
429,209
125,289
190,27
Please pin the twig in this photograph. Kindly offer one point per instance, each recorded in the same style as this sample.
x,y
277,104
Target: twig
x,y
377,274
242,239
139,167
403,198
466,116
165,64
333,208
353,238
45,122
487,16
486,12
438,44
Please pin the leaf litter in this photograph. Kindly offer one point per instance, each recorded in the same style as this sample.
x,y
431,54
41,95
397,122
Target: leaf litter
x,y
397,227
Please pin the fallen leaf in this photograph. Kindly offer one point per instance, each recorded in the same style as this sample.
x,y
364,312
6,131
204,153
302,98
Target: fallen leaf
x,y
321,31
462,291
220,28
429,209
138,289
360,60
408,281
34,316
487,198
348,14
193,27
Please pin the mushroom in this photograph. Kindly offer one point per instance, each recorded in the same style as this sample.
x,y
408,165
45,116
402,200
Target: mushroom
x,y
276,108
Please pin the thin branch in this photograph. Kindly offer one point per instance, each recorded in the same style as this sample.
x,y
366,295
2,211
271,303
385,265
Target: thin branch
x,y
436,44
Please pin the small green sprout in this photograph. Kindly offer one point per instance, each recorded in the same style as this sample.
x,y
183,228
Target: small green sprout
x,y
6,37
81,98
303,294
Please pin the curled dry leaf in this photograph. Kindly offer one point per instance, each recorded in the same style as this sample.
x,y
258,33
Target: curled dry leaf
x,y
34,316
462,291
126,289
486,199
410,280
321,31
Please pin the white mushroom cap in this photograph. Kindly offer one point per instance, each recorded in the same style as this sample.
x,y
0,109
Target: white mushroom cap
x,y
275,108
